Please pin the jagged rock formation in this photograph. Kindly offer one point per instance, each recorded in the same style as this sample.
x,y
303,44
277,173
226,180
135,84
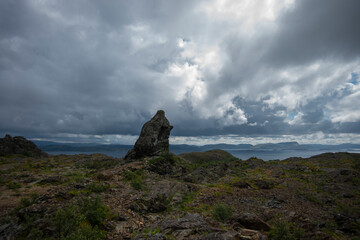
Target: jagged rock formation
x,y
153,139
19,145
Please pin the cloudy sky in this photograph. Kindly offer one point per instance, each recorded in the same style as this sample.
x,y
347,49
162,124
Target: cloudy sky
x,y
234,71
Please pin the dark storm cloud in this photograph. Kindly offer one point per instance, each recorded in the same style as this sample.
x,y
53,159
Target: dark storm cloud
x,y
105,67
316,30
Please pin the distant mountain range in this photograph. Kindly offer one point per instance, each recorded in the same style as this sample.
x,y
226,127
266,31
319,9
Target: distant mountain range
x,y
48,146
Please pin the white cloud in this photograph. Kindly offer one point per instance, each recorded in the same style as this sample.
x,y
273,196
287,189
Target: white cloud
x,y
346,109
248,14
296,86
313,138
235,116
296,119
186,82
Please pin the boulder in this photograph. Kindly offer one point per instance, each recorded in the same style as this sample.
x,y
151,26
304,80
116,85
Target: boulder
x,y
19,145
153,139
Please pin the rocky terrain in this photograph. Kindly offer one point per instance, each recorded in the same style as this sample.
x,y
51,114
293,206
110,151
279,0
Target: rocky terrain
x,y
200,195
209,195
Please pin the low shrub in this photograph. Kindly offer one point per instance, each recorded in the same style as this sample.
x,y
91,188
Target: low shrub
x,y
283,230
187,198
29,229
97,187
135,178
25,202
164,160
13,185
94,210
169,157
138,183
68,220
222,212
312,198
130,175
77,177
356,165
82,220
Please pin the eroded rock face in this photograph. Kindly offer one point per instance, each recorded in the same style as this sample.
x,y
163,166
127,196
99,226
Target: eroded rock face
x,y
19,145
153,139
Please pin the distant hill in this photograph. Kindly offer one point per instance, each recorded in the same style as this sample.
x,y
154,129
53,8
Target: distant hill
x,y
49,146
79,147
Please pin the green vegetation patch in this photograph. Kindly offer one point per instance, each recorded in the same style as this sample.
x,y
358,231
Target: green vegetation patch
x,y
98,164
283,230
136,179
165,157
83,219
207,159
97,187
188,197
222,212
76,177
14,185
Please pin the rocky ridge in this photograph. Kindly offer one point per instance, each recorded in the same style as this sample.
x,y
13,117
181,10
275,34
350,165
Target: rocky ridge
x,y
19,145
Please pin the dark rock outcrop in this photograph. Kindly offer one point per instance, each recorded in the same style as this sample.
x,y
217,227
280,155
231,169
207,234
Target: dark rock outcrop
x,y
153,139
19,145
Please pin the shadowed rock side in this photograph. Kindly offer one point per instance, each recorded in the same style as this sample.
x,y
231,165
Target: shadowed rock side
x,y
153,139
19,145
